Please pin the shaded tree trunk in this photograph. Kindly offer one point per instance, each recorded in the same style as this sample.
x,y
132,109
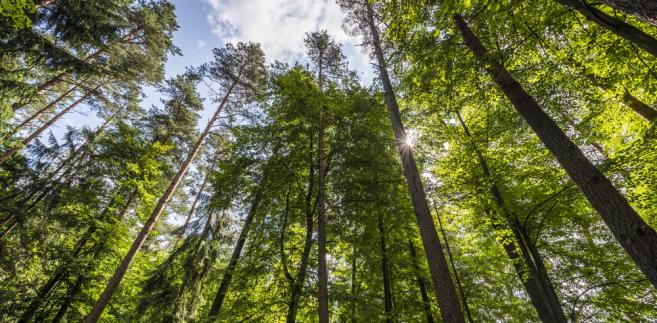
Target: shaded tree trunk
x,y
614,25
353,285
538,286
197,198
442,279
114,282
637,238
297,285
420,283
645,10
237,251
387,289
456,273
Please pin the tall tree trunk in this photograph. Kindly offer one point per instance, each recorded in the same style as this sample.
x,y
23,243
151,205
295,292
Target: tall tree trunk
x,y
635,104
64,269
456,273
39,113
237,251
68,300
442,279
10,153
420,283
114,282
614,25
322,270
538,286
353,284
645,10
387,289
297,285
197,198
637,238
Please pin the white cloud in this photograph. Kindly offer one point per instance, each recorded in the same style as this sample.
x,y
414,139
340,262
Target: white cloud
x,y
280,27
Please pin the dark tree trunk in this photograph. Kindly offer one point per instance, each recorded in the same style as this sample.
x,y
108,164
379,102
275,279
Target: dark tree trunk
x,y
614,25
387,289
637,238
297,285
645,10
237,251
442,280
353,285
420,283
456,273
68,300
197,198
322,270
155,215
538,286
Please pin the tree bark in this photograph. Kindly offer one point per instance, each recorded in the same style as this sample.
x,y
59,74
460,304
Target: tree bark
x,y
420,283
387,289
614,25
353,284
322,270
297,285
237,251
114,282
645,10
456,273
442,279
637,238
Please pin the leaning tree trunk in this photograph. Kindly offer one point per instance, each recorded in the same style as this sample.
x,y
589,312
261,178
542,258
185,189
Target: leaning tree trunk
x,y
645,10
387,289
637,238
150,223
628,99
614,25
420,283
237,251
197,198
536,281
10,153
440,274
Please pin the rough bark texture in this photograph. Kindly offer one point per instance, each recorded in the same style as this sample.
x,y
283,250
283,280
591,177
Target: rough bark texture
x,y
237,251
152,220
614,25
645,10
420,283
387,289
441,277
637,238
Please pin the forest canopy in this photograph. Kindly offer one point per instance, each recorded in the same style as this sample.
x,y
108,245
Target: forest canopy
x,y
501,166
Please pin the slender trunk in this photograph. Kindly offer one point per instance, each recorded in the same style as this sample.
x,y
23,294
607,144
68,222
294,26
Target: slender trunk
x,y
68,300
614,25
442,279
353,285
420,283
387,290
456,273
197,198
637,238
39,113
286,213
635,104
322,270
538,287
237,251
10,153
152,220
297,285
64,269
645,10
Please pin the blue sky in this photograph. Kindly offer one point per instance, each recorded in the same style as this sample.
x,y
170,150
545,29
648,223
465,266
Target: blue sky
x,y
278,25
